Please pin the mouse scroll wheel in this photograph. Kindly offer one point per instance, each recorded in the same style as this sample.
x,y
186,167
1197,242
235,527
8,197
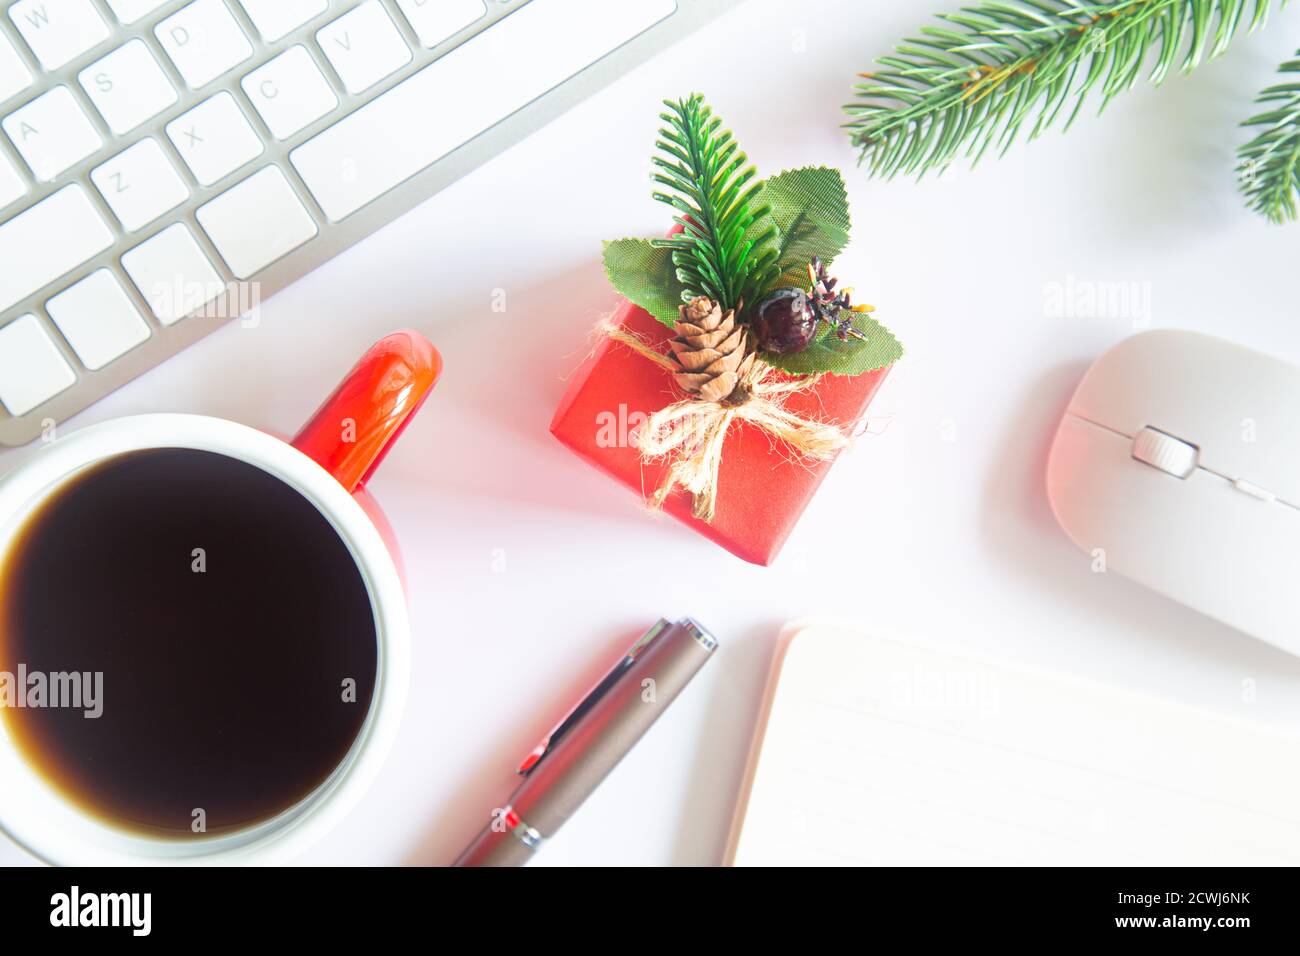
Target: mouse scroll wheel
x,y
1171,455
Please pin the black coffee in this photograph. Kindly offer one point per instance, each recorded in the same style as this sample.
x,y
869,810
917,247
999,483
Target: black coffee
x,y
232,629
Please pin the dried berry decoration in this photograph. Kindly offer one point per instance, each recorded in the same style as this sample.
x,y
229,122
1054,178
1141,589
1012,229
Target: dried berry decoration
x,y
711,349
784,322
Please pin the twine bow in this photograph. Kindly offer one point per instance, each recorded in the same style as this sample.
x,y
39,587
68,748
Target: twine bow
x,y
692,431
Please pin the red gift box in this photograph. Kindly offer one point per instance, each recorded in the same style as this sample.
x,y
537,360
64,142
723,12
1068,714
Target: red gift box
x,y
763,487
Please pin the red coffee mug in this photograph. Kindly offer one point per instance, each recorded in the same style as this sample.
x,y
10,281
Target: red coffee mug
x,y
329,463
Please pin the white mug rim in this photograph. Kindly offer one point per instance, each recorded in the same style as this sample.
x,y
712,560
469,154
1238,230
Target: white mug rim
x,y
96,842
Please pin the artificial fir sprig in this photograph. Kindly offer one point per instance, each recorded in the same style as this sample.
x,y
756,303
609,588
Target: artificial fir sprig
x,y
978,78
1270,163
727,250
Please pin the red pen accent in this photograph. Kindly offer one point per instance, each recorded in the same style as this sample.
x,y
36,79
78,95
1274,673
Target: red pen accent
x,y
587,700
531,760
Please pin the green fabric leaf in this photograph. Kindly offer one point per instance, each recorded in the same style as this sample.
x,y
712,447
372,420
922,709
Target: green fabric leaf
x,y
853,357
810,209
645,275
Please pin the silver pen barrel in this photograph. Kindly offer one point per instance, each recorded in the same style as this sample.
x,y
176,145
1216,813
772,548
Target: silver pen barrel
x,y
592,747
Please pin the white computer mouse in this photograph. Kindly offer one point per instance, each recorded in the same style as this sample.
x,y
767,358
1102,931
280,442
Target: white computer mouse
x,y
1177,464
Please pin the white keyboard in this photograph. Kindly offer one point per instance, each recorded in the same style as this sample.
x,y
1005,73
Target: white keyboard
x,y
165,165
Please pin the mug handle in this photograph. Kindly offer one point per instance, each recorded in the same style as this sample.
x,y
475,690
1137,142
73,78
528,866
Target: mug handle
x,y
351,432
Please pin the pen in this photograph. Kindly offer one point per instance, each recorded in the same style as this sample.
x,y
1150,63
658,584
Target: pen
x,y
572,760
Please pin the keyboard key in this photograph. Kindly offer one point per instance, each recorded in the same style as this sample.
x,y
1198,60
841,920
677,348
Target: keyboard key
x,y
98,319
140,184
289,92
14,75
12,186
129,11
256,222
40,244
173,274
364,46
276,19
475,86
214,138
52,133
127,87
204,41
438,20
58,30
32,370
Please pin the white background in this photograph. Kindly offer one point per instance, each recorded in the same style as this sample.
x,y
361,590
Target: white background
x,y
935,526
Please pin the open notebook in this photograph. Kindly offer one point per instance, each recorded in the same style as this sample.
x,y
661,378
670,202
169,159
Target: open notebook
x,y
874,751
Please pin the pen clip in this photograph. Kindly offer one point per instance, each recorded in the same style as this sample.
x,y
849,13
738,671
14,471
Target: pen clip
x,y
602,687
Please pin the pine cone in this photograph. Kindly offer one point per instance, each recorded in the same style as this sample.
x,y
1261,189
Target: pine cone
x,y
711,349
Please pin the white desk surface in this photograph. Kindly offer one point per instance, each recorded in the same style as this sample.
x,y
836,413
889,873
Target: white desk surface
x,y
529,570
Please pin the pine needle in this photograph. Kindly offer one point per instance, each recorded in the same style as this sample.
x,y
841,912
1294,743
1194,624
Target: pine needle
x,y
1269,171
983,75
727,249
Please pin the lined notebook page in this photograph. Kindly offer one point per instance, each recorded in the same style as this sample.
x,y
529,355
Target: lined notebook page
x,y
877,752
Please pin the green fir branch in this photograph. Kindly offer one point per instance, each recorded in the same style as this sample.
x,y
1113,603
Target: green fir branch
x,y
1269,171
727,249
976,80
